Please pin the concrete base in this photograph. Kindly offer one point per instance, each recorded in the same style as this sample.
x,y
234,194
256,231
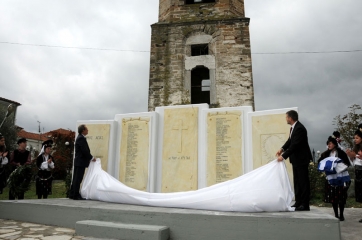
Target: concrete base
x,y
183,223
100,229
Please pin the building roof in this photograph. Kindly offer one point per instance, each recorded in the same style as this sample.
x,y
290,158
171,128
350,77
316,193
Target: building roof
x,y
59,131
33,136
9,101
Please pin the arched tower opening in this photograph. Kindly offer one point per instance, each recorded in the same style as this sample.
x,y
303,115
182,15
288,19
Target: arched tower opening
x,y
200,85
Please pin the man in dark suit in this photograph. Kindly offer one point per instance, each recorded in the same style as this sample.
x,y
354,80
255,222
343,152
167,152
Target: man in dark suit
x,y
297,150
81,162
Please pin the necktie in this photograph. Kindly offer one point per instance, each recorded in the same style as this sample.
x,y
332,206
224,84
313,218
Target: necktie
x,y
290,132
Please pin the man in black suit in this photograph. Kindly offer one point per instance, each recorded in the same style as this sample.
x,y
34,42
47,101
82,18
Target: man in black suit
x,y
81,162
298,151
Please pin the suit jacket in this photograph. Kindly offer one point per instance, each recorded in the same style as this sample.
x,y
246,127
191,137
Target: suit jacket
x,y
297,148
82,152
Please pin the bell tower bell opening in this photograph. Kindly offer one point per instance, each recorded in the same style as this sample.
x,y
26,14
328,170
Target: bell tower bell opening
x,y
200,92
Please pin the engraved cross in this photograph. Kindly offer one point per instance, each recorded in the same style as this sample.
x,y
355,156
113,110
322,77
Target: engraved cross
x,y
179,127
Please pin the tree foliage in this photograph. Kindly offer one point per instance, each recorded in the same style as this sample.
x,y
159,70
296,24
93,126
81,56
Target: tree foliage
x,y
347,124
19,180
317,181
63,154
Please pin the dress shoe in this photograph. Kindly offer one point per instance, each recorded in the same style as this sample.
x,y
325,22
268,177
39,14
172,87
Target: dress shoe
x,y
302,208
360,221
79,198
341,219
295,205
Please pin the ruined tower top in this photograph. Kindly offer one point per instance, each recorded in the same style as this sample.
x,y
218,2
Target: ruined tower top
x,y
196,10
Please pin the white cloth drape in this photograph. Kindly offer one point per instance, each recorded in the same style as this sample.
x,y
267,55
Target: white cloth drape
x,y
47,166
266,189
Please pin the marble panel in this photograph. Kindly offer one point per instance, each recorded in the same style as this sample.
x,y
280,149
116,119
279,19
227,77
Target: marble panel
x,y
135,145
269,131
180,150
224,146
101,141
136,148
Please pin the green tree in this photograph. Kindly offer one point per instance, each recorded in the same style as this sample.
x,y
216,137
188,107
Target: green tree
x,y
347,124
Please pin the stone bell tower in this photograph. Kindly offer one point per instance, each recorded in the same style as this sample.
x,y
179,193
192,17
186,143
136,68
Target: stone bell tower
x,y
200,53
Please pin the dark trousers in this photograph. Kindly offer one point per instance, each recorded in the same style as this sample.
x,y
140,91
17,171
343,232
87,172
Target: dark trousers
x,y
77,180
45,196
301,185
12,197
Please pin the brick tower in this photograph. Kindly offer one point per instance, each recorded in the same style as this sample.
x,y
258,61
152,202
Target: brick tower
x,y
200,53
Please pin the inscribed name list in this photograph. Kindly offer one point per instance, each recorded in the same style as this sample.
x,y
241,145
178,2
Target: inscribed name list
x,y
224,138
135,149
98,141
180,150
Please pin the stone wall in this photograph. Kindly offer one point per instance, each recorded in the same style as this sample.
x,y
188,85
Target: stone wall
x,y
177,10
228,40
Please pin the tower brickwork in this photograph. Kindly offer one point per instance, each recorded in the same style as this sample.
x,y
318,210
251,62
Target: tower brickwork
x,y
200,53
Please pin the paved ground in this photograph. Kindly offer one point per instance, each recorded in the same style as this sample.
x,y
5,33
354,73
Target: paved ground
x,y
12,230
9,229
351,229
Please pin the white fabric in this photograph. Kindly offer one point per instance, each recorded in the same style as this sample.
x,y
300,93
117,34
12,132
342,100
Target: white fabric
x,y
357,162
334,163
341,167
42,151
45,165
51,165
323,163
266,189
4,160
337,175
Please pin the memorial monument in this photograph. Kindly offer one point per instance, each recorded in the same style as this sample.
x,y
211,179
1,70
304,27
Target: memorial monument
x,y
187,147
200,129
181,144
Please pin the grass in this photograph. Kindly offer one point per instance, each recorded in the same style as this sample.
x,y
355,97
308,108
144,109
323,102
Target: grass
x,y
58,191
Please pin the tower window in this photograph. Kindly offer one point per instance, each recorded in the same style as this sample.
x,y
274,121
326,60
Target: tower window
x,y
200,49
200,85
198,1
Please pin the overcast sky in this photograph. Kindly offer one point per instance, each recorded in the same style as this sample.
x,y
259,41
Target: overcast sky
x,y
58,86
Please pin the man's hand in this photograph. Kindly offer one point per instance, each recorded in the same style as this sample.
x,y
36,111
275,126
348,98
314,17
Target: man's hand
x,y
280,159
279,152
93,160
5,154
49,160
